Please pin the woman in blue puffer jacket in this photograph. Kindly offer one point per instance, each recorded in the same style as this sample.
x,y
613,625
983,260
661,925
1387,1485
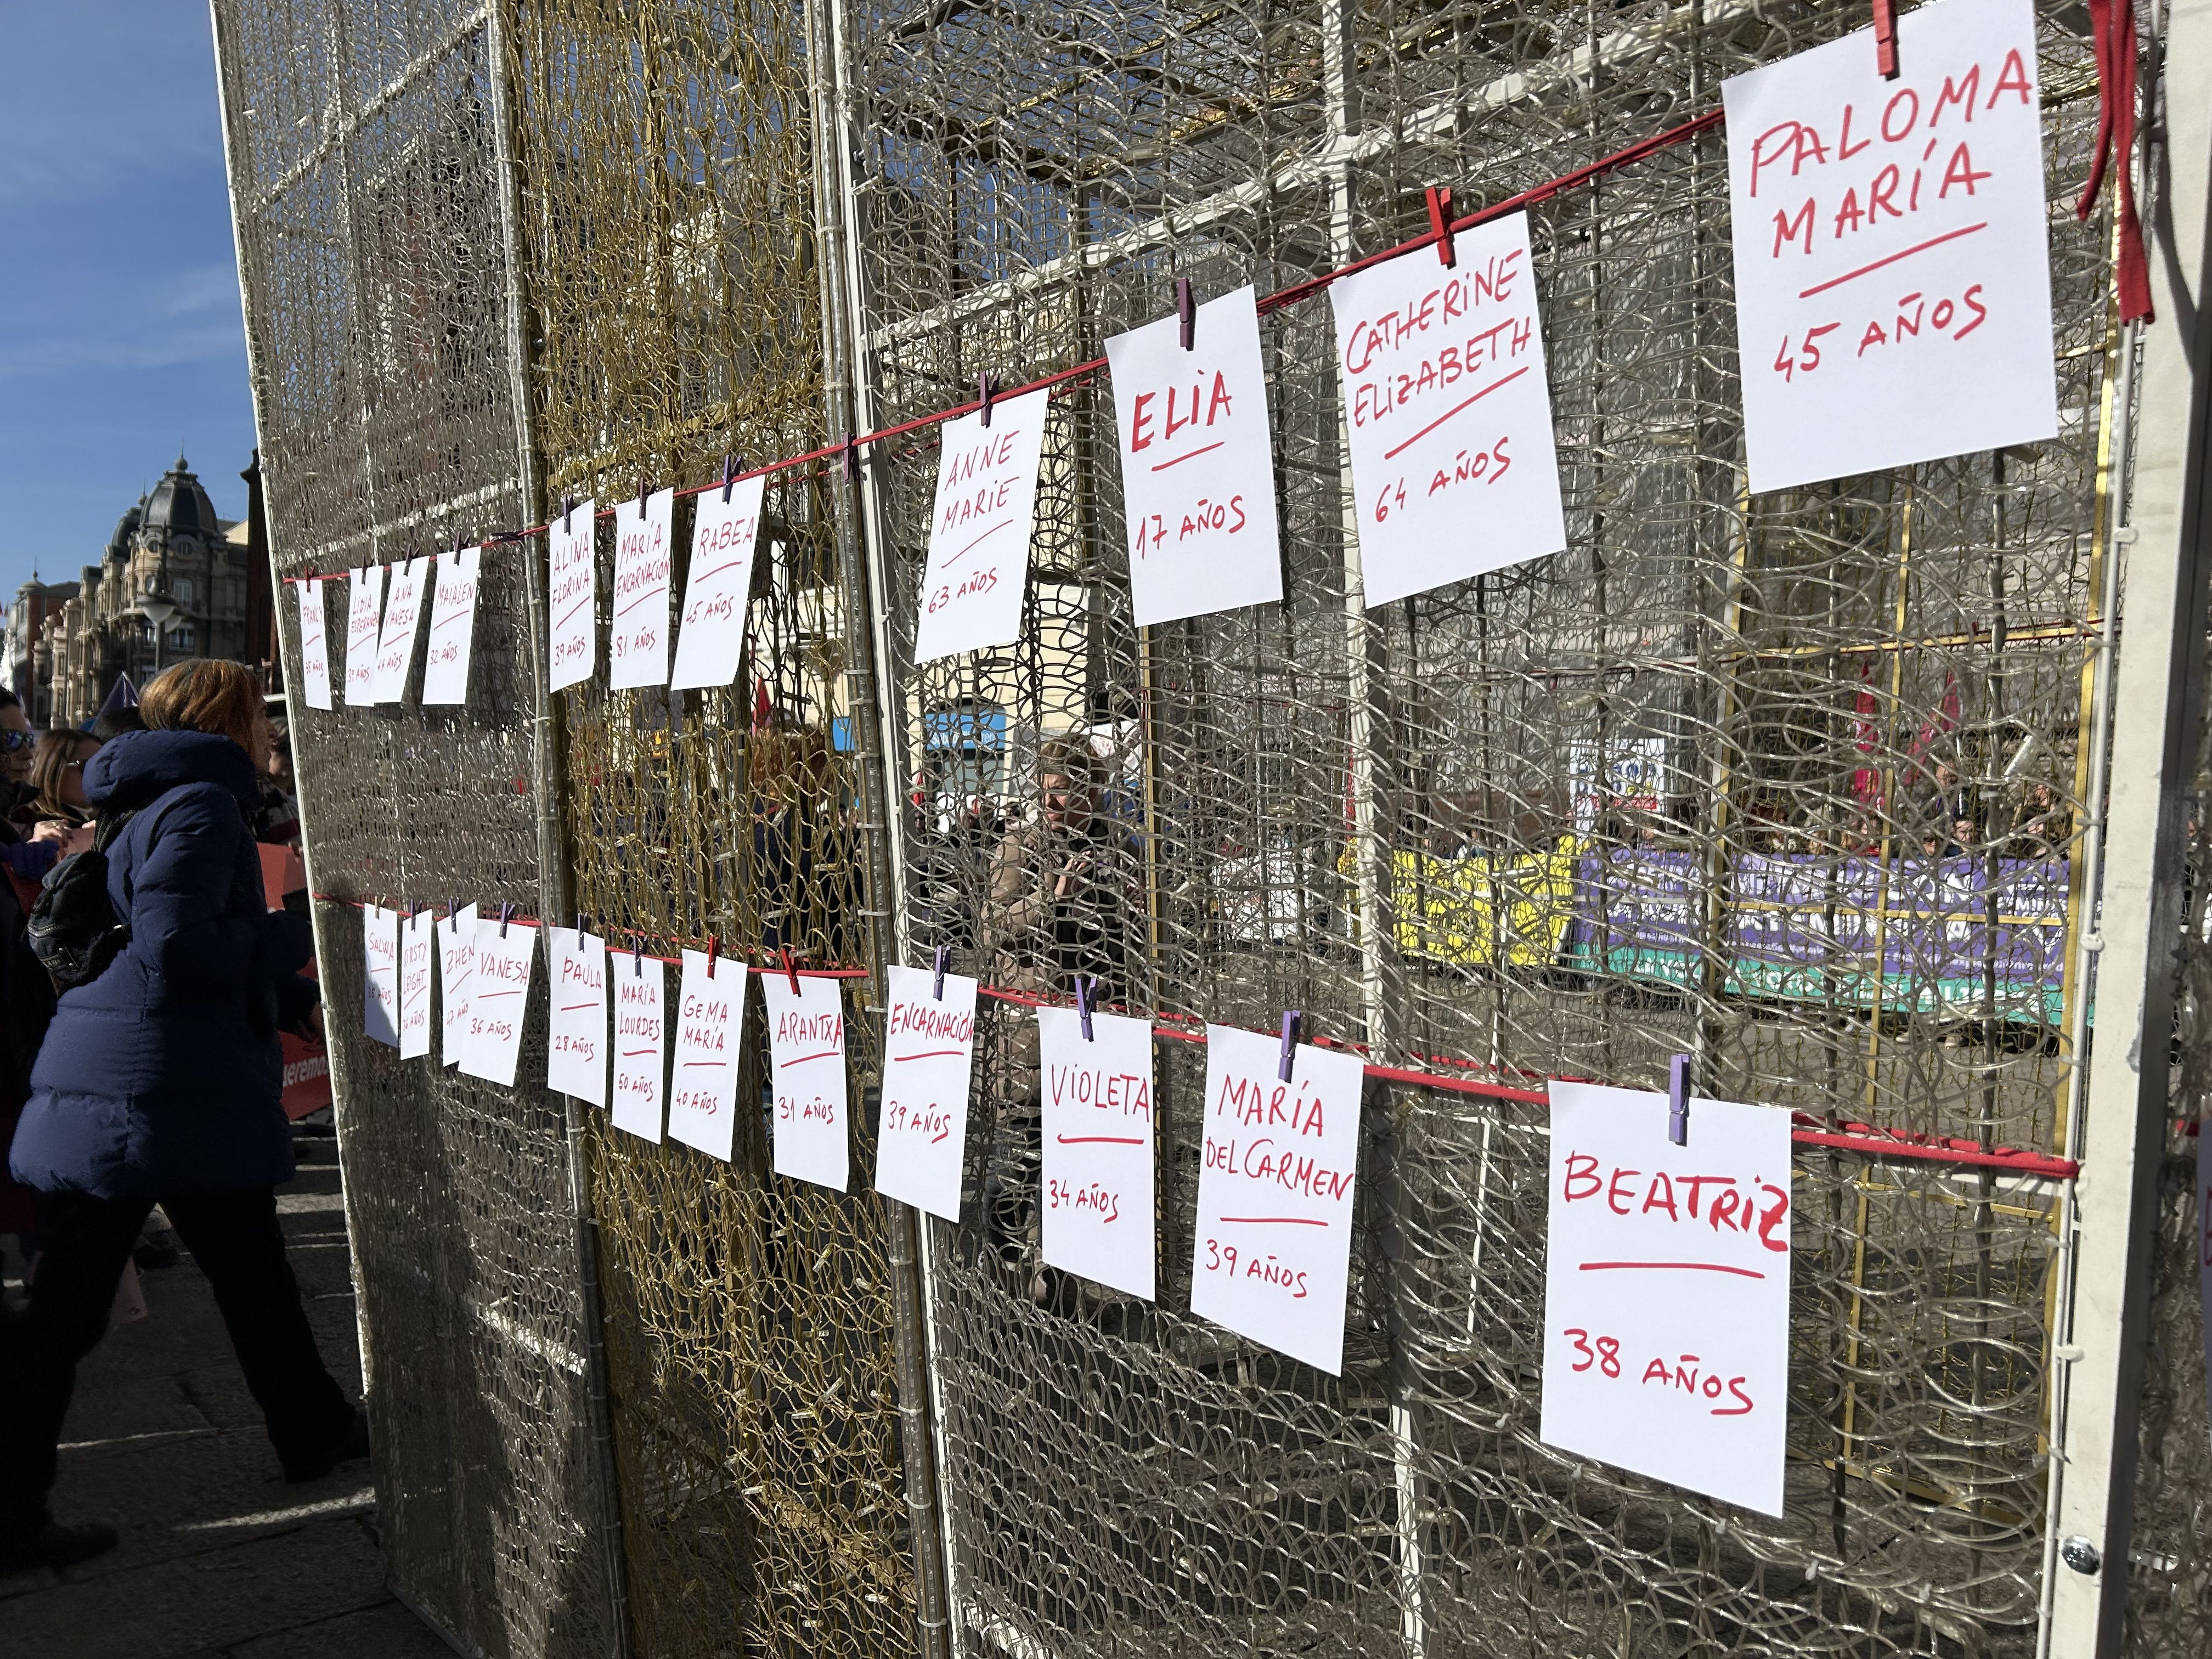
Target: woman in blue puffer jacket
x,y
160,1080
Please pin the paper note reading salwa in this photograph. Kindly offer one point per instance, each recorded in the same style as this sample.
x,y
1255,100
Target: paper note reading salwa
x,y
380,937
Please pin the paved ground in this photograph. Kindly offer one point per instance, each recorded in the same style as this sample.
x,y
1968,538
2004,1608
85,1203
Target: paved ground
x,y
220,1558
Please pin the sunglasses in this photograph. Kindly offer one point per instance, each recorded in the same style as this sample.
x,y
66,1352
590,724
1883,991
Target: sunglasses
x,y
11,741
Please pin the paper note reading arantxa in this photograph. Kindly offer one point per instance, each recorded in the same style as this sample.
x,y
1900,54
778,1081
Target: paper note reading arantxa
x,y
414,985
1892,269
644,542
929,1052
1097,1173
364,617
572,592
576,1032
979,529
501,998
380,984
641,1043
314,642
723,537
1667,1289
1449,412
452,627
456,976
403,613
806,1055
710,1021
1198,464
1274,1195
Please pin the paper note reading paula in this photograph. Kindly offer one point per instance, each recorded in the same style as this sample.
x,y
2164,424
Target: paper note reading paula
x,y
979,529
380,984
1892,269
1198,464
723,537
314,642
457,976
1667,1291
806,1056
572,594
644,543
1450,411
364,620
1274,1195
414,1010
710,1021
500,1001
929,1052
452,627
641,1043
1097,1178
403,615
576,1032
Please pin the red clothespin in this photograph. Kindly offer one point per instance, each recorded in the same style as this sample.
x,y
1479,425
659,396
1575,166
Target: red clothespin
x,y
1885,49
711,948
1084,983
1290,1044
1187,310
851,458
789,972
985,389
942,953
1440,218
1678,1100
729,476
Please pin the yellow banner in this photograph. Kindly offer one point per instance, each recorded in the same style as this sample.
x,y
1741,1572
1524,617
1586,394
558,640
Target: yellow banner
x,y
1448,909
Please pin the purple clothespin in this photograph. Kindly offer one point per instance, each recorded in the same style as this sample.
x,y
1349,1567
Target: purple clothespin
x,y
1187,310
942,953
1084,982
505,911
729,476
985,389
1678,1100
1290,1044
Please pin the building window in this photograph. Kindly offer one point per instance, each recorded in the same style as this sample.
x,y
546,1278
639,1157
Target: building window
x,y
185,589
181,640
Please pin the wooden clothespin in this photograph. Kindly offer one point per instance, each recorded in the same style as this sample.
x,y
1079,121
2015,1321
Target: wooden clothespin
x,y
1291,1021
1440,218
1678,1100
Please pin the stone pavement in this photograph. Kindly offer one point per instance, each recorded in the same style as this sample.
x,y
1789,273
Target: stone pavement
x,y
220,1558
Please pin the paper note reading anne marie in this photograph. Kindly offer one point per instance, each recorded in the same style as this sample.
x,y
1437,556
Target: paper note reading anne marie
x,y
979,529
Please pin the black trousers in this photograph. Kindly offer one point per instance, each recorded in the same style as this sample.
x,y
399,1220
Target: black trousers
x,y
84,1242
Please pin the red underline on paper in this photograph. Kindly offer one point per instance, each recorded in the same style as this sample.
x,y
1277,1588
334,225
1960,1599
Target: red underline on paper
x,y
1393,454
573,610
461,615
929,1053
1278,1220
488,995
708,576
1107,1141
641,598
801,1060
1686,1266
577,1007
1003,524
632,1053
1891,259
702,1063
1188,455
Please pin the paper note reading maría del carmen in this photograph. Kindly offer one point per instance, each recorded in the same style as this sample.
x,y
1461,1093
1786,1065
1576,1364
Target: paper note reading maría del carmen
x,y
1893,266
979,529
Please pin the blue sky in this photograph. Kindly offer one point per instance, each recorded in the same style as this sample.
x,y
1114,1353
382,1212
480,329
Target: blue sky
x,y
120,337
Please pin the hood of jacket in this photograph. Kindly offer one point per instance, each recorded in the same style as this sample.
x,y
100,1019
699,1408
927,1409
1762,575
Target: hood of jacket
x,y
138,767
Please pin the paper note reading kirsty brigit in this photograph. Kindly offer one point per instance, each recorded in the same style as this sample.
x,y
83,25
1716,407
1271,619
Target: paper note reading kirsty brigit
x,y
457,976
807,1058
452,627
979,529
364,619
576,1032
1096,1177
314,640
572,595
929,1051
641,1043
415,1011
710,1023
644,543
719,582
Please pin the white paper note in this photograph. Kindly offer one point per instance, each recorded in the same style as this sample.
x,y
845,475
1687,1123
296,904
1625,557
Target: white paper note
x,y
501,1001
929,1055
1273,1244
1198,463
2203,1221
806,1056
314,642
710,1024
576,1032
1098,1172
403,615
452,627
364,619
1450,411
414,1010
380,984
644,542
572,592
1893,267
724,535
456,976
1667,1291
641,1043
979,529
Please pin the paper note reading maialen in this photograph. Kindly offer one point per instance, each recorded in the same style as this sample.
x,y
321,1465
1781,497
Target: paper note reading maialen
x,y
452,627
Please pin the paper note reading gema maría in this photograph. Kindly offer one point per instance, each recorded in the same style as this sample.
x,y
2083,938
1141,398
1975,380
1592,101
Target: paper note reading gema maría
x,y
576,1032
1198,463
572,595
979,529
364,619
395,646
1273,1244
1097,1178
452,627
929,1051
806,1060
724,535
644,543
314,640
1892,269
457,974
1667,1291
414,985
710,1021
505,952
1449,412
380,984
641,1043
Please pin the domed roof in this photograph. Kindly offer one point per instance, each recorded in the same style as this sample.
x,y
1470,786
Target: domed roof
x,y
180,507
126,527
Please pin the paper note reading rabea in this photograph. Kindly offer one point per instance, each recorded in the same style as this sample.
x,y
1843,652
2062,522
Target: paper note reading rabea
x,y
718,584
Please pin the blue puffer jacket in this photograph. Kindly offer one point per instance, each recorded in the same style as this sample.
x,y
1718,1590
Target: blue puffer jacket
x,y
163,1075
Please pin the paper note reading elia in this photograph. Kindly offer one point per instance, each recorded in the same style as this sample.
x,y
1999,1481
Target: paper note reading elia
x,y
403,613
1893,267
452,627
979,529
641,1043
724,534
572,594
501,998
644,542
314,640
364,618
415,1011
1449,412
456,975
1273,1251
929,1052
1198,464
806,1056
710,1021
380,984
576,1032
1098,1171
1667,1289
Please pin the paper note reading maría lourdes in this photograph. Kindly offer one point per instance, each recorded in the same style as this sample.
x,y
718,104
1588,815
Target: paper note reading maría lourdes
x,y
929,1051
1449,412
403,616
979,529
1198,465
380,984
644,542
724,536
573,592
641,1043
710,1021
806,1056
576,1032
1274,1245
457,978
314,640
1667,1291
452,627
1892,270
1096,1177
364,618
415,1011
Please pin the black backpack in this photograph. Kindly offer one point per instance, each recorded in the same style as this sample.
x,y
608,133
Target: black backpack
x,y
73,928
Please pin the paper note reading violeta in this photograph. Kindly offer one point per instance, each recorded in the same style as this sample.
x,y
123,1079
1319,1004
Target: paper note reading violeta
x,y
452,627
1096,1176
929,1051
811,1127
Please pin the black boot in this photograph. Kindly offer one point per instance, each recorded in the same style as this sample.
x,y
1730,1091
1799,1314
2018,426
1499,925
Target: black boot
x,y
349,1445
51,1544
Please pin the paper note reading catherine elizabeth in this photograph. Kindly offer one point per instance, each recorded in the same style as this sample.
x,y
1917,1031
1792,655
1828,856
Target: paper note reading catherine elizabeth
x,y
979,530
1892,270
641,1043
1667,1291
364,617
1201,537
929,1052
501,998
806,1054
572,590
395,642
414,985
1098,1171
380,984
723,537
456,975
452,627
1451,412
710,1021
1274,1195
643,543
314,640
576,1033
